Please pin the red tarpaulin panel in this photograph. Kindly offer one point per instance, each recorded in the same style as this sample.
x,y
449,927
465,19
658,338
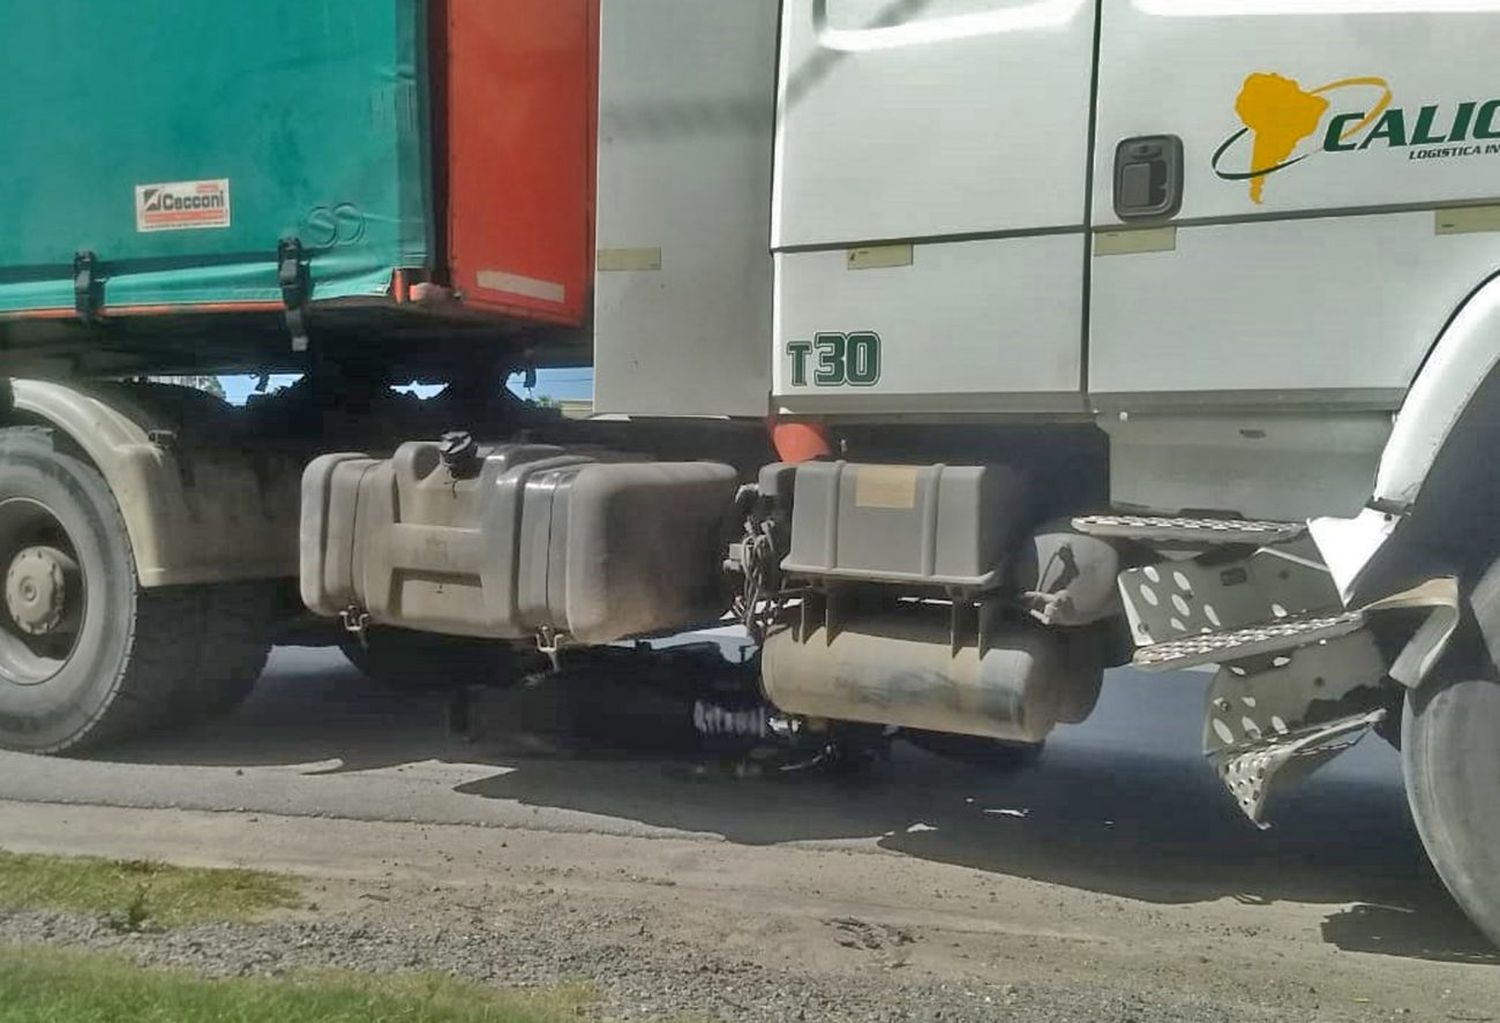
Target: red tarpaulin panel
x,y
519,85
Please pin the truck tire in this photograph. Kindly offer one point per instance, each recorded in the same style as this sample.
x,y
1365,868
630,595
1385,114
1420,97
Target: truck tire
x,y
405,661
234,642
86,654
1450,752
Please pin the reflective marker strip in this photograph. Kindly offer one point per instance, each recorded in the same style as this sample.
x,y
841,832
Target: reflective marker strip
x,y
879,257
612,260
1468,220
516,284
1129,243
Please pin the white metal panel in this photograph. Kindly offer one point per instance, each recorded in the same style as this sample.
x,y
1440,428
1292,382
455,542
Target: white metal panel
x,y
1259,465
1182,66
1351,101
976,326
912,120
1274,307
682,302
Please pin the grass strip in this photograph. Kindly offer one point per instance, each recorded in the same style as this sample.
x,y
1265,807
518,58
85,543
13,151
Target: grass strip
x,y
140,894
56,986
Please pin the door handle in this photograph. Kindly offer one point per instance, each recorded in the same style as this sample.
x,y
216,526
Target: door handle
x,y
1148,177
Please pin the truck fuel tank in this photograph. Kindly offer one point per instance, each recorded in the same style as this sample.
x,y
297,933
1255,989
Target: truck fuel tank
x,y
511,541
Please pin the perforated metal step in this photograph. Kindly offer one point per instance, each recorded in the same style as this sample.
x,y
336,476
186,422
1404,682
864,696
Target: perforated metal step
x,y
1188,531
1254,640
1171,600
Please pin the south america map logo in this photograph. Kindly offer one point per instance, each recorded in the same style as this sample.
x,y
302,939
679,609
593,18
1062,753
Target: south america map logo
x,y
1283,124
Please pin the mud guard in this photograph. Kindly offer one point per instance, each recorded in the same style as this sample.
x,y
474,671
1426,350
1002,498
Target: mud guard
x,y
1460,362
195,513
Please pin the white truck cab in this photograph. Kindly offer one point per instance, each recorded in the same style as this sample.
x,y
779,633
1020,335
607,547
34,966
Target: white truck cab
x,y
1215,278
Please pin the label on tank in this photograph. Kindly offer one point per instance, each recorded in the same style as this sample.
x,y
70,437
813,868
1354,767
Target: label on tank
x,y
182,205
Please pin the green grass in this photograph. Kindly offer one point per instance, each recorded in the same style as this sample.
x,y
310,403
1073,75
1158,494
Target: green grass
x,y
50,986
137,895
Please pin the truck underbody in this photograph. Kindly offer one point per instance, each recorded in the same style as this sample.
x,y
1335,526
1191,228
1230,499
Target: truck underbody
x,y
964,578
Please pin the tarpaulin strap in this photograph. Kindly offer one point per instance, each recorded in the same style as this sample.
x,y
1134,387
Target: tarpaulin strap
x,y
296,289
86,285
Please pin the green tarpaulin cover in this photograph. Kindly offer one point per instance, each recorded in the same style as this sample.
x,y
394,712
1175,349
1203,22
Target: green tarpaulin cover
x,y
179,141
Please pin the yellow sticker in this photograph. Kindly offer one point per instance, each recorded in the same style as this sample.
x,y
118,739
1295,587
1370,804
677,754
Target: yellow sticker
x,y
1128,243
885,486
880,257
615,260
1468,220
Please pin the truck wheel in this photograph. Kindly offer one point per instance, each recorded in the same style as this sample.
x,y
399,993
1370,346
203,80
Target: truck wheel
x,y
407,661
86,654
233,645
1450,747
1450,751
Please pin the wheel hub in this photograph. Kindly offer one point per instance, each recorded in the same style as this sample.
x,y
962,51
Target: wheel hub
x,y
41,587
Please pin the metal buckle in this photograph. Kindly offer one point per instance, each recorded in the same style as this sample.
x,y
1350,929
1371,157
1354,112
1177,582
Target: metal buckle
x,y
356,620
86,286
296,289
549,642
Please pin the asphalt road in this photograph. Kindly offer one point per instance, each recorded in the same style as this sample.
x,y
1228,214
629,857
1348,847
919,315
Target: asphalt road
x,y
1122,816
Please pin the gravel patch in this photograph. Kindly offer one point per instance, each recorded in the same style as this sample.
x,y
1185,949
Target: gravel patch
x,y
646,979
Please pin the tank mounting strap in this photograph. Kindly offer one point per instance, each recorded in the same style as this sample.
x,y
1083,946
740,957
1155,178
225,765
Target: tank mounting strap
x,y
296,289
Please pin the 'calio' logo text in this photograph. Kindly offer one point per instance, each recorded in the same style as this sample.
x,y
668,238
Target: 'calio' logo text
x,y
1279,117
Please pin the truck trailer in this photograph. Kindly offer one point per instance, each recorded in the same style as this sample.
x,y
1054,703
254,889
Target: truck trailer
x,y
960,349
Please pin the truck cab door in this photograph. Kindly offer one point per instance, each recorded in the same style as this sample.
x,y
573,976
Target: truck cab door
x,y
1305,263
928,216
